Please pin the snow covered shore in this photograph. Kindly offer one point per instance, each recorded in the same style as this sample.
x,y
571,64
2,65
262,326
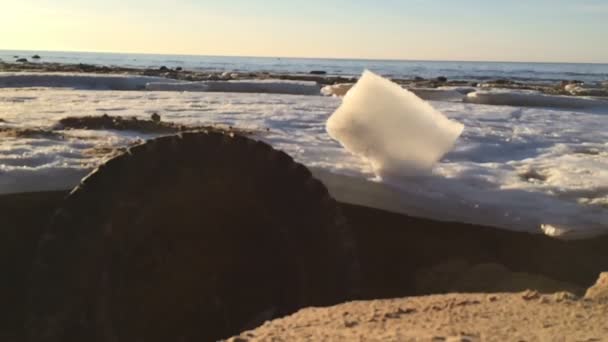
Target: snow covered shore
x,y
536,169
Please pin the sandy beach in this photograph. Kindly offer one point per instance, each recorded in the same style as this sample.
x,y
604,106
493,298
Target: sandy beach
x,y
500,317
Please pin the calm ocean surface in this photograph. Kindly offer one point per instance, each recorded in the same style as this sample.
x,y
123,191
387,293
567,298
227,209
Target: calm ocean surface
x,y
540,72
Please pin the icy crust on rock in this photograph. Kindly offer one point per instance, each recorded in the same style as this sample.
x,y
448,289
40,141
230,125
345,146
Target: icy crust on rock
x,y
77,81
258,86
399,134
522,98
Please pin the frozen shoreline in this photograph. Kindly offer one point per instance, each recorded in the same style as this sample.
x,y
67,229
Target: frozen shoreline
x,y
516,168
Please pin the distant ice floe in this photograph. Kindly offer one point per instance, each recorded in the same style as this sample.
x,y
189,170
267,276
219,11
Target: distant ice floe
x,y
257,86
76,81
398,133
522,98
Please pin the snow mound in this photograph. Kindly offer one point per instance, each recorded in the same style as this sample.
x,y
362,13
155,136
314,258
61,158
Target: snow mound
x,y
76,81
395,131
531,99
260,87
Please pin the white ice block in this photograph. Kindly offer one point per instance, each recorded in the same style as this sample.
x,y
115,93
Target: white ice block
x,y
393,129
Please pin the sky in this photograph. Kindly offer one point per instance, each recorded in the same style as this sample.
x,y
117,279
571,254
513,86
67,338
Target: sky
x,y
471,30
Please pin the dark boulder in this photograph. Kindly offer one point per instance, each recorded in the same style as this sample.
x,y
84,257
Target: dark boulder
x,y
318,72
163,68
21,60
35,57
442,79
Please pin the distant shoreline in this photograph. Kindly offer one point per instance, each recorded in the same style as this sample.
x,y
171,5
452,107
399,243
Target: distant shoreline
x,y
318,76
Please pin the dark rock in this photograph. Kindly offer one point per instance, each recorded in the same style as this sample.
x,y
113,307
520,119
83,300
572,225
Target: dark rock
x,y
86,67
21,60
178,69
318,72
163,68
35,57
418,78
155,117
442,79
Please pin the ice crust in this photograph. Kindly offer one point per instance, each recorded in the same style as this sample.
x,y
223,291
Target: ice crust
x,y
77,81
399,134
538,170
258,86
130,82
532,99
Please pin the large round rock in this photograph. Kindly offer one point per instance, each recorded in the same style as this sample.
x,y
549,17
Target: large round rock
x,y
188,238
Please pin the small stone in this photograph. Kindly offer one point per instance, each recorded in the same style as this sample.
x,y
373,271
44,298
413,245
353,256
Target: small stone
x,y
564,296
35,57
155,117
530,295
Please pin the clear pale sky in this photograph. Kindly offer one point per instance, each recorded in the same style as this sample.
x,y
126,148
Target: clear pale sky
x,y
489,30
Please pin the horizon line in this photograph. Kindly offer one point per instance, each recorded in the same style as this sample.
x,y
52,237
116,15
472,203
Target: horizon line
x,y
300,57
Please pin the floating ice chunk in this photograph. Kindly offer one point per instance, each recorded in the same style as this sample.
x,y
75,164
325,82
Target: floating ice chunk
x,y
395,131
260,87
337,89
531,99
